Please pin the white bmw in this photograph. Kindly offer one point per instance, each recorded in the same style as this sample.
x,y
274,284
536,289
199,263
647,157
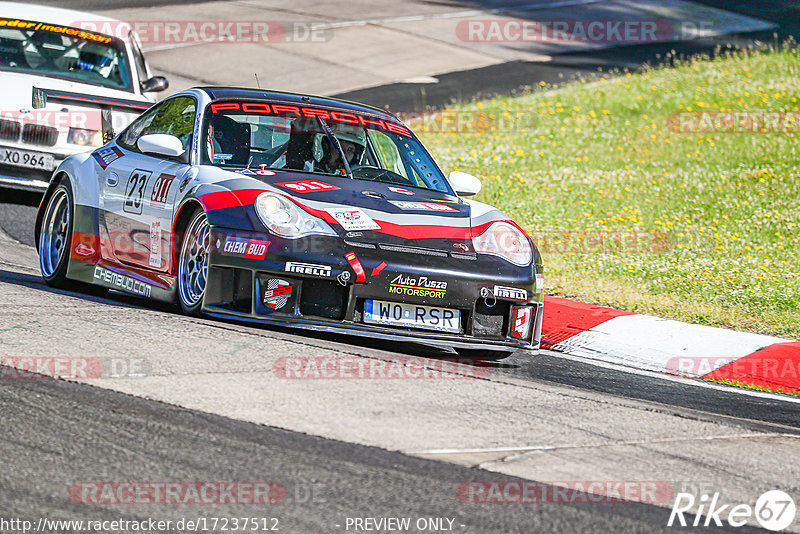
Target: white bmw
x,y
64,89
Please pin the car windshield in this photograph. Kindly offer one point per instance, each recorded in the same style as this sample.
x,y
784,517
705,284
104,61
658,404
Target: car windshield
x,y
63,52
263,135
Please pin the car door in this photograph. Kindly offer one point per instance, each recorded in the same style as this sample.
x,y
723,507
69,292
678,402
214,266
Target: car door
x,y
139,193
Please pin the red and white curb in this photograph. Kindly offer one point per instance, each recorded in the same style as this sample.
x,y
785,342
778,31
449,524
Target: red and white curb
x,y
667,346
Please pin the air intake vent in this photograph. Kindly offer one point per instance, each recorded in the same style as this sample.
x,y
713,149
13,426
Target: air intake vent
x,y
359,244
491,322
9,130
323,298
464,255
38,134
414,250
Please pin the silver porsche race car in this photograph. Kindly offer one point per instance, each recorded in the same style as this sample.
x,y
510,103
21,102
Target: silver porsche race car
x,y
293,210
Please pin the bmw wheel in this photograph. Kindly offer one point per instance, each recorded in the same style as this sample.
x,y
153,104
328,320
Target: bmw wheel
x,y
193,264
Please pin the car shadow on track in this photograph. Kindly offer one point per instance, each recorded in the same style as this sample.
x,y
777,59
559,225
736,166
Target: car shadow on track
x,y
113,298
87,292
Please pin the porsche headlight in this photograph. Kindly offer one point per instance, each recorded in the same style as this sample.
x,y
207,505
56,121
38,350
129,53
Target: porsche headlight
x,y
505,240
282,217
79,136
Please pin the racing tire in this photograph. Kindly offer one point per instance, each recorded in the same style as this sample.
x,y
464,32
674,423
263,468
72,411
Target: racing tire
x,y
193,264
55,236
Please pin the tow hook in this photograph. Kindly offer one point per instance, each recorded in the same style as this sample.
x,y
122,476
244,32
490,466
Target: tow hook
x,y
488,297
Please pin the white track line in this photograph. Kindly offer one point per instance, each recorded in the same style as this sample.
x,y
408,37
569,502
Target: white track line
x,y
688,381
613,444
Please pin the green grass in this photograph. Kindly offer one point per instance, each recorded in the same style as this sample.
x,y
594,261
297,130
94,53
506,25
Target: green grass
x,y
753,387
629,212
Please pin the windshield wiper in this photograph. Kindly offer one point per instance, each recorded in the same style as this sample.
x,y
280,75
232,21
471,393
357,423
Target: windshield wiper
x,y
335,142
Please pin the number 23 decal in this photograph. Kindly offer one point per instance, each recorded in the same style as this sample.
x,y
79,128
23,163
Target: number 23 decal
x,y
134,191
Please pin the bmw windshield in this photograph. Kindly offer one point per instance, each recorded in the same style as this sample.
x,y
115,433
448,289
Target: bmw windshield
x,y
63,52
262,135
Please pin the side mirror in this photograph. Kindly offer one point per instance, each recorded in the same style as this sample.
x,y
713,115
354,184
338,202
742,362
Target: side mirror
x,y
464,184
161,144
155,84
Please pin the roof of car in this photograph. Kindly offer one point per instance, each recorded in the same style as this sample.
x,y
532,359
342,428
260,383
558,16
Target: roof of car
x,y
61,17
225,93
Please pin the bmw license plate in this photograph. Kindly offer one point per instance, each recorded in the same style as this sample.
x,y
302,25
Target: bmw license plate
x,y
27,158
412,315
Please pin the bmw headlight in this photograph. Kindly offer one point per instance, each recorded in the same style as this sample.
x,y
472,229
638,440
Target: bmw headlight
x,y
79,136
282,217
507,241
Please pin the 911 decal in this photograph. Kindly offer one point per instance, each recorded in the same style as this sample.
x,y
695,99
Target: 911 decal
x,y
158,197
134,191
308,186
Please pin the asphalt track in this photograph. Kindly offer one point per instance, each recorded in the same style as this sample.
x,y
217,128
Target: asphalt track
x,y
550,367
211,409
220,393
52,445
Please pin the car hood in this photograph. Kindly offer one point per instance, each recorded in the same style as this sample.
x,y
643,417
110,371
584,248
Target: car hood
x,y
375,212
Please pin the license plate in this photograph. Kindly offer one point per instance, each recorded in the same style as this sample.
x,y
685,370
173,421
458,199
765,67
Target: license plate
x,y
412,315
27,158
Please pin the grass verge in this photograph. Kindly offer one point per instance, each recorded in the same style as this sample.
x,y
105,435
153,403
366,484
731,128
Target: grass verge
x,y
674,192
753,387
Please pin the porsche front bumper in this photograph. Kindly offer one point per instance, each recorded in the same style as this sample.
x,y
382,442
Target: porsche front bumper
x,y
323,284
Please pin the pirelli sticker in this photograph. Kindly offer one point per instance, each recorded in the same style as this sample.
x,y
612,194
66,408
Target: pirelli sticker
x,y
511,293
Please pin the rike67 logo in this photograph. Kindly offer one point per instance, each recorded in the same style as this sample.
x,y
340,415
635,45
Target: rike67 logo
x,y
774,510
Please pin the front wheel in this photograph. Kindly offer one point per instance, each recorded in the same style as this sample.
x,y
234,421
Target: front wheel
x,y
55,236
193,264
